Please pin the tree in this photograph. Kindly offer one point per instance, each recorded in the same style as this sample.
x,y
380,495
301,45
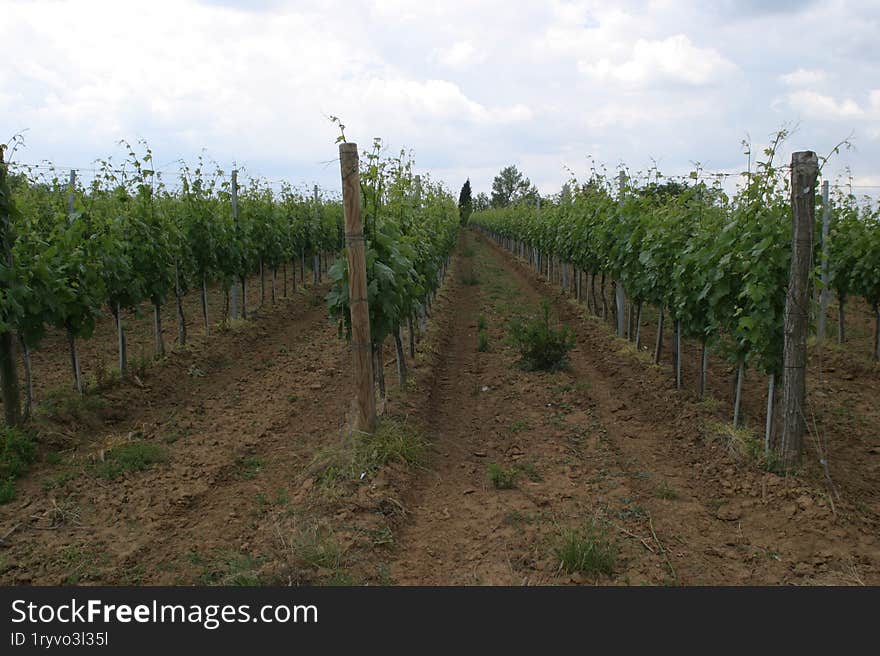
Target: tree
x,y
465,202
510,187
565,195
481,202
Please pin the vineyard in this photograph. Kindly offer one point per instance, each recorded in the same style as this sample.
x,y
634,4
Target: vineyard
x,y
589,387
718,267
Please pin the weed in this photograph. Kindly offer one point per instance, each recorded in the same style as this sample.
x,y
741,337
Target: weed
x,y
129,457
518,517
53,458
541,347
743,444
470,279
518,426
383,575
227,568
382,536
481,322
589,550
173,436
249,467
195,372
316,547
531,472
710,403
17,452
630,510
482,341
80,563
68,407
666,491
502,479
393,441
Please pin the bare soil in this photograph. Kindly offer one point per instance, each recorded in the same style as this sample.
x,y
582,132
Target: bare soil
x,y
247,419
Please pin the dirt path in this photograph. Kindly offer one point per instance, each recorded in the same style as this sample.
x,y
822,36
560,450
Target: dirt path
x,y
605,444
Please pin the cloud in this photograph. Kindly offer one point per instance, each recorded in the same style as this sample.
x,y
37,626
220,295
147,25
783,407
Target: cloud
x,y
470,87
674,59
803,77
431,100
458,55
817,105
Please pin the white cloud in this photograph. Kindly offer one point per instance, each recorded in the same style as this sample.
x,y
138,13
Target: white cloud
x,y
431,99
458,55
818,105
803,77
469,86
674,59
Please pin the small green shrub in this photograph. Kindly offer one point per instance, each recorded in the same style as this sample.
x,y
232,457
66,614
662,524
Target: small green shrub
x,y
541,347
481,322
588,550
502,479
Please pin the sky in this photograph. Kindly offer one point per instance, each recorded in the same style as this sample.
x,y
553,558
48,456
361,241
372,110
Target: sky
x,y
467,86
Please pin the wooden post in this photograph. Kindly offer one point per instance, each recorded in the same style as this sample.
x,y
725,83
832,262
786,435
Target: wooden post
x,y
120,336
8,369
823,294
71,195
619,293
804,171
235,221
316,262
361,343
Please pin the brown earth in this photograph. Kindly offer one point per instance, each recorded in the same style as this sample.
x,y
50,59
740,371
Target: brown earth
x,y
607,446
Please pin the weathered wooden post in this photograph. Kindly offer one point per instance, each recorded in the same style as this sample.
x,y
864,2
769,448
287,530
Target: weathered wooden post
x,y
823,294
71,337
8,370
235,221
71,194
619,293
316,258
804,171
361,343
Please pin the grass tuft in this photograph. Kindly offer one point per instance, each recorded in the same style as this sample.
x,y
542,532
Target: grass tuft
x,y
589,550
502,479
393,441
130,457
